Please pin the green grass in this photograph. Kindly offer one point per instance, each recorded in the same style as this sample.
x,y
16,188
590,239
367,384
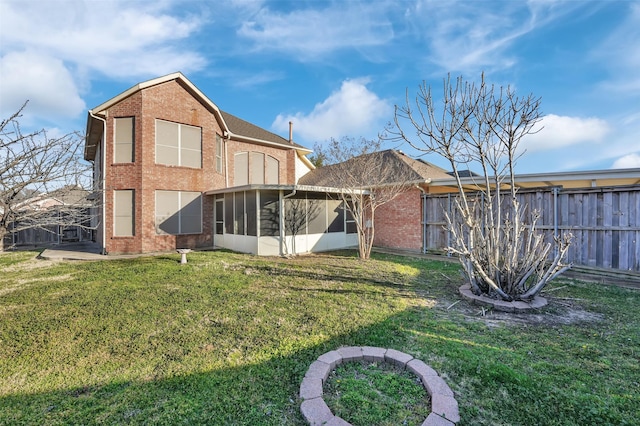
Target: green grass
x,y
227,338
365,393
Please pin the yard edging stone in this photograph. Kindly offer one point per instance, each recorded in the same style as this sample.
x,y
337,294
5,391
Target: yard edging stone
x,y
517,306
444,406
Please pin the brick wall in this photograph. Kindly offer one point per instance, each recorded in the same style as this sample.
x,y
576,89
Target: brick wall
x,y
171,102
398,223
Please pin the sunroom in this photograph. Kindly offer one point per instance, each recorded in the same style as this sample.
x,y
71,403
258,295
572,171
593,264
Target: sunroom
x,y
281,220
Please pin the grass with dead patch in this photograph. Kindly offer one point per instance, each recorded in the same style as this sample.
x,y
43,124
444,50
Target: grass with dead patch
x,y
227,339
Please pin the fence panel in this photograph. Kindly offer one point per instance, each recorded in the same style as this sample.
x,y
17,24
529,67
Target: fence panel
x,y
605,222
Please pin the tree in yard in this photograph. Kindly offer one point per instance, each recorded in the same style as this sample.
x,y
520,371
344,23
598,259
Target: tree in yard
x,y
481,125
40,178
298,212
367,177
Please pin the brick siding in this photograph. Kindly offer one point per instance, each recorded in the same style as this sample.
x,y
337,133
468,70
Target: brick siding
x,y
170,101
398,223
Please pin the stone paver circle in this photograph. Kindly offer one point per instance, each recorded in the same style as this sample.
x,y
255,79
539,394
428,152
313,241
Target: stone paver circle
x,y
444,407
518,306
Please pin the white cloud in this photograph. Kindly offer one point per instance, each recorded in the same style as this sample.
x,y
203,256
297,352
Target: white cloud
x,y
353,110
42,80
50,48
312,33
629,161
561,131
620,53
115,37
469,36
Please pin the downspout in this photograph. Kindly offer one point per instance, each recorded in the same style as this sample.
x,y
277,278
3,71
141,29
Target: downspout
x,y
225,138
423,198
283,233
103,178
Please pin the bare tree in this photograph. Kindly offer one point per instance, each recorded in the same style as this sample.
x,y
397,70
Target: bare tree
x,y
298,212
43,180
482,126
368,178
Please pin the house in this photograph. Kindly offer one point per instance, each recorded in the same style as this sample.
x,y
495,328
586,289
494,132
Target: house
x,y
175,171
55,217
397,223
178,172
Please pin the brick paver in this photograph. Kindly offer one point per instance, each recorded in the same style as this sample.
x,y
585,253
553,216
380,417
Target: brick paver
x,y
444,407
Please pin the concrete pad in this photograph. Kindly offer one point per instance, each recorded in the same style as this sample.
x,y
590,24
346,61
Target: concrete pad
x,y
316,411
311,387
351,353
398,358
445,406
373,354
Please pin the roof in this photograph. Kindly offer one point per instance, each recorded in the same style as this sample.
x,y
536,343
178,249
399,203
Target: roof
x,y
577,179
233,127
411,170
242,128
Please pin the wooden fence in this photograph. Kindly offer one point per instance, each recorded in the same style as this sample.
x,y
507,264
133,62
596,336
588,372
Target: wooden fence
x,y
605,222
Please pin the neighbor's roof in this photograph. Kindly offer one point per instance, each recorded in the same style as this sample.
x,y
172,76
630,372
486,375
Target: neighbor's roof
x,y
576,179
233,127
411,170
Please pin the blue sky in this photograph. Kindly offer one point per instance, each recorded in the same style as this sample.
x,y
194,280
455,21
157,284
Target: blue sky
x,y
337,68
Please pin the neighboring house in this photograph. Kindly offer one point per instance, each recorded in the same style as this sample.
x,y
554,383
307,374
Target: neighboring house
x,y
397,223
56,217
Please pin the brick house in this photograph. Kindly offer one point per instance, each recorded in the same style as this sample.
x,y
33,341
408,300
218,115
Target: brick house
x,y
175,171
162,149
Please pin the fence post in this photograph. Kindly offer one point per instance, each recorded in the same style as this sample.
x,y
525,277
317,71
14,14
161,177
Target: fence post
x,y
555,219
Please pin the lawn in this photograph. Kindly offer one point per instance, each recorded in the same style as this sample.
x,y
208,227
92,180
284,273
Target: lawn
x,y
227,338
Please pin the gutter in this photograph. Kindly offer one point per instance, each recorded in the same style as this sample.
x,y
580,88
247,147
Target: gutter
x,y
103,173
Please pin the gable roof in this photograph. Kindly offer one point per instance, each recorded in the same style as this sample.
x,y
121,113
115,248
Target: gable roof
x,y
244,130
233,127
413,171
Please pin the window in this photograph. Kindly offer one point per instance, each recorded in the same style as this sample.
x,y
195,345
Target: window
x,y
239,214
124,140
219,147
124,216
335,215
269,213
255,168
178,144
241,169
350,221
272,175
178,212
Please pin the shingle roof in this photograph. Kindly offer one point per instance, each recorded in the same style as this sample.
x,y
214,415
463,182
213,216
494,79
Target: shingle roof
x,y
410,169
241,127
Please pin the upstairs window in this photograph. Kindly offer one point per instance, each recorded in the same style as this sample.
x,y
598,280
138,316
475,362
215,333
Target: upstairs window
x,y
178,144
255,168
123,151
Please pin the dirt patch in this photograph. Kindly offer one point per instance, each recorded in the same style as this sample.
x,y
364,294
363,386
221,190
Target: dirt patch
x,y
30,265
558,312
